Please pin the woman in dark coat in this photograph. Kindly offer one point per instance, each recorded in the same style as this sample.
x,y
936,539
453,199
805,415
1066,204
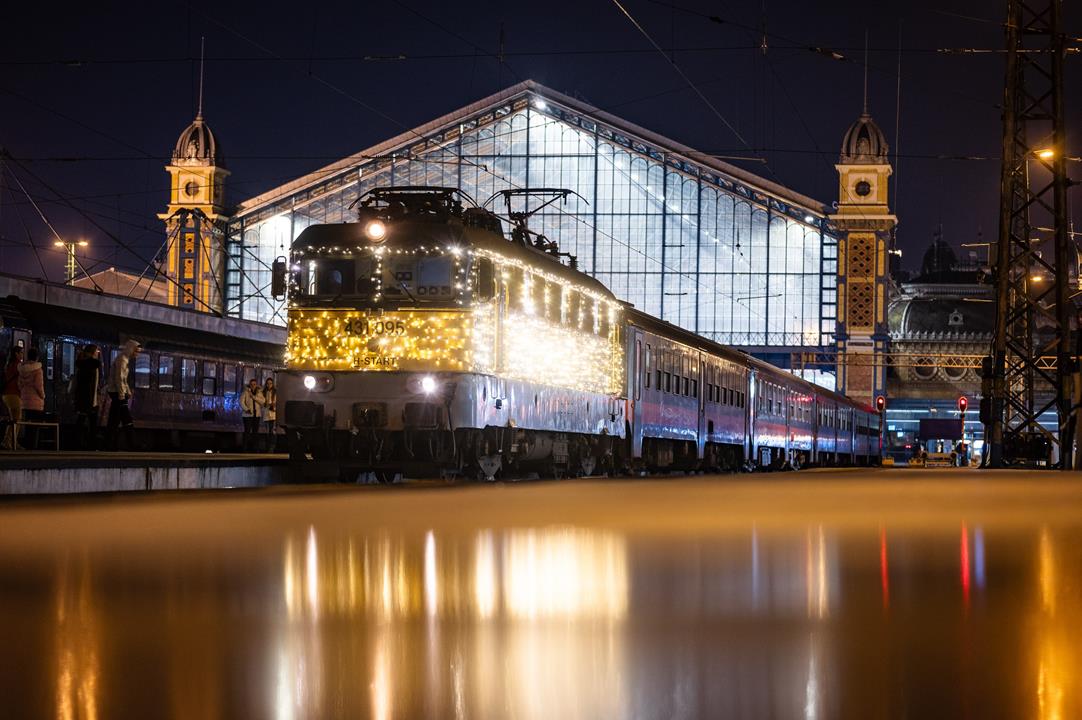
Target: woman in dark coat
x,y
85,396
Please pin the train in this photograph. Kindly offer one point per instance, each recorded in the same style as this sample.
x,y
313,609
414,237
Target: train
x,y
187,381
424,339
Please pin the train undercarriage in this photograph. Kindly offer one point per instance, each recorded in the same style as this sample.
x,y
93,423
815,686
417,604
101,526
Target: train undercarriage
x,y
495,453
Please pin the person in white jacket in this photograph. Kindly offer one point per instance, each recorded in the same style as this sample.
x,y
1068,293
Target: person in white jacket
x,y
251,409
119,394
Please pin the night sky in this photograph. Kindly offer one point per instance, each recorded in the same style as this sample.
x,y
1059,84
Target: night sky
x,y
92,99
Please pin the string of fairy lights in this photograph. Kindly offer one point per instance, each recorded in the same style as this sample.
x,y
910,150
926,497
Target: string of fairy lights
x,y
530,324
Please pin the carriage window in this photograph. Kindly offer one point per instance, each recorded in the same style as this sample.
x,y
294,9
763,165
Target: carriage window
x,y
142,370
210,378
687,386
247,374
229,379
668,382
188,374
67,361
649,360
165,372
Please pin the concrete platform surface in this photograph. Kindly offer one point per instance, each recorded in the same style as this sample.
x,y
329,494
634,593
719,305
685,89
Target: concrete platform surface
x,y
24,473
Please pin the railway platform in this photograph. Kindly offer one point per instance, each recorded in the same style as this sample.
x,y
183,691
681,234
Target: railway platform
x,y
33,473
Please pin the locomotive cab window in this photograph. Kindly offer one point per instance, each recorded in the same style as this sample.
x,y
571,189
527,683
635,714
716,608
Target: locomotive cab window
x,y
486,279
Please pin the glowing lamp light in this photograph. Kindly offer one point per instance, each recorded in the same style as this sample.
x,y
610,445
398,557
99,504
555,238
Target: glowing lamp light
x,y
809,219
309,382
375,230
1046,154
540,104
428,384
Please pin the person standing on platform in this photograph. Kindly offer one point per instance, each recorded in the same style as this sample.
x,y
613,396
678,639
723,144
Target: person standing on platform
x,y
32,394
270,395
251,405
12,399
119,394
85,397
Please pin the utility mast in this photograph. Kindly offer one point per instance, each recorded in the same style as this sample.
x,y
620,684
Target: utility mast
x,y
1032,364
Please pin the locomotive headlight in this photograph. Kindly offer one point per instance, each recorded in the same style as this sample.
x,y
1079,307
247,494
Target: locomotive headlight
x,y
318,383
426,384
375,230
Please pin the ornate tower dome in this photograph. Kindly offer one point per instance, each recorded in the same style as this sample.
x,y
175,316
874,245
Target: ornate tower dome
x,y
864,143
198,146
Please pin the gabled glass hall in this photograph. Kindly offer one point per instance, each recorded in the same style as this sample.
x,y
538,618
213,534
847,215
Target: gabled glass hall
x,y
684,237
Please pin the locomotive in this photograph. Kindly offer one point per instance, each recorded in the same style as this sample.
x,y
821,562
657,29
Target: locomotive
x,y
422,339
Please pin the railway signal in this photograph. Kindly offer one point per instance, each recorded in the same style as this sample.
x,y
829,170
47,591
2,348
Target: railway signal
x,y
880,403
963,404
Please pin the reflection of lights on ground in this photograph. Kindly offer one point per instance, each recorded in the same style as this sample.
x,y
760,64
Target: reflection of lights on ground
x,y
484,576
565,573
311,570
76,645
431,597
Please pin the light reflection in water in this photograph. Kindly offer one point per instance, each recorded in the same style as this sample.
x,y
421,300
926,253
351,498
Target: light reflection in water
x,y
77,642
1056,635
576,623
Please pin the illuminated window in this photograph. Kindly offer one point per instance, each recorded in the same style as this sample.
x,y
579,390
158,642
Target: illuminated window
x,y
142,371
210,378
165,372
189,373
229,380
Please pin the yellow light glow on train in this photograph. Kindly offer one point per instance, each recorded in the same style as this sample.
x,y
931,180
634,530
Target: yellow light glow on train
x,y
520,334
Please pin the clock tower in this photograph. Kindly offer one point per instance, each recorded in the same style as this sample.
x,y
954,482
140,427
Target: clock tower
x,y
866,226
195,220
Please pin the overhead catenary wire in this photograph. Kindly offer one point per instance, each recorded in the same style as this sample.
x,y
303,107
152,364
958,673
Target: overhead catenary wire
x,y
109,234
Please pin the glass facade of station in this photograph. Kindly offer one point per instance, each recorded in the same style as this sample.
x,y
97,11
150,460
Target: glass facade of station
x,y
678,239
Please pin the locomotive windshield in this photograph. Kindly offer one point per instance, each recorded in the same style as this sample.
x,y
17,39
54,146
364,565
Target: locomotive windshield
x,y
374,279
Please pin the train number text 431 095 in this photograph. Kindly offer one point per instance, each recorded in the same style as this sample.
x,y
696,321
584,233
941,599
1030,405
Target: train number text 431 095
x,y
364,326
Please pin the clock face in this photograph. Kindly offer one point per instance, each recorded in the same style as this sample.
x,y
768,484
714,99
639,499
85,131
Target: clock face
x,y
191,188
863,188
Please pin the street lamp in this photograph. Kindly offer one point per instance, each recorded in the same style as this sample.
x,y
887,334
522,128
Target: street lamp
x,y
71,263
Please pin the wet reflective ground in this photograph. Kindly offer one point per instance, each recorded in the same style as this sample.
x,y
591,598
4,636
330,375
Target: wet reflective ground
x,y
901,593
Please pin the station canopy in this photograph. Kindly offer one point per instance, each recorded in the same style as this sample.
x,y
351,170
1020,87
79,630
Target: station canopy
x,y
681,235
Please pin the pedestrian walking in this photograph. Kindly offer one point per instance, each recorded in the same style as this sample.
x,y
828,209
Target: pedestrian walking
x,y
251,405
12,399
270,396
86,397
32,395
119,394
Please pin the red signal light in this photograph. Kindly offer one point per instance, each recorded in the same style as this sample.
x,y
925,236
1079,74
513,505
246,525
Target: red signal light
x,y
880,403
963,403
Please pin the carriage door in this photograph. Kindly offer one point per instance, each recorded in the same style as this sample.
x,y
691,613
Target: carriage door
x,y
638,365
697,384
